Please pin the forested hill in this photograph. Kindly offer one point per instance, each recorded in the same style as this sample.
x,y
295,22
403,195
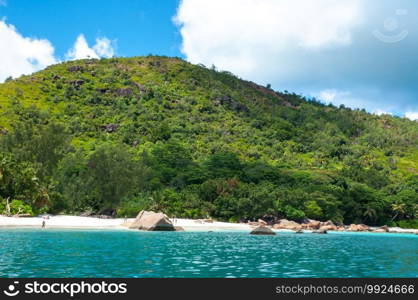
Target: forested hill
x,y
122,134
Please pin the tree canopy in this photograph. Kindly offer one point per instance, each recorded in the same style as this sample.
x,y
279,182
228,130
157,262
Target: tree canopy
x,y
114,136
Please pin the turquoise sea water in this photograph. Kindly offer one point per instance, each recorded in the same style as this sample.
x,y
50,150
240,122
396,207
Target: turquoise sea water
x,y
88,253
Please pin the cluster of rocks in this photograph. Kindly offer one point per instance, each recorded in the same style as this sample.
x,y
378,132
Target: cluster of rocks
x,y
231,104
75,68
261,227
110,128
124,92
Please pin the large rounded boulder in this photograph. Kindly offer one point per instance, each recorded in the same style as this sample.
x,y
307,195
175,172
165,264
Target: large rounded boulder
x,y
262,230
152,221
286,224
358,227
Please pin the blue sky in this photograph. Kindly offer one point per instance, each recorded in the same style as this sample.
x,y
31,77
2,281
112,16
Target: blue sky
x,y
140,27
360,53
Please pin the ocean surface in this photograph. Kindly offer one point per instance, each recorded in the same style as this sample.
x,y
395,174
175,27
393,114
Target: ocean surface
x,y
98,253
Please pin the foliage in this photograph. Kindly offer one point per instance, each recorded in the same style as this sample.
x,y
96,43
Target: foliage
x,y
118,135
408,224
19,207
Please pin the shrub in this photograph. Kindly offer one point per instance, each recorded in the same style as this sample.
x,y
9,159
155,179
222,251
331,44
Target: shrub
x,y
131,208
293,213
2,205
19,207
408,224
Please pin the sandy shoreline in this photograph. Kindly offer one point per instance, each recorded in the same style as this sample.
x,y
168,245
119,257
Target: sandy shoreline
x,y
76,222
98,223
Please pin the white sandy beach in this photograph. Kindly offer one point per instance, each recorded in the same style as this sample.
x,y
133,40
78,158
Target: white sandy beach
x,y
64,221
61,222
98,223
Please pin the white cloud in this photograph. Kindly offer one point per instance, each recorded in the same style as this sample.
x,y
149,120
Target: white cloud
x,y
247,35
365,98
322,48
380,112
104,47
332,95
81,50
412,115
22,55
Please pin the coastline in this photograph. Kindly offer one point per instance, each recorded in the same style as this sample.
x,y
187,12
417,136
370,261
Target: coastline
x,y
77,222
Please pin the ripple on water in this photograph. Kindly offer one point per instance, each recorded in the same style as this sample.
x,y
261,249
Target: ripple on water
x,y
78,253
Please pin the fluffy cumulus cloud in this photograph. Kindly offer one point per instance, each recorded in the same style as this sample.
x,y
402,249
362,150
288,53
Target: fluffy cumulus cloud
x,y
412,115
380,112
331,95
103,48
361,53
22,55
244,35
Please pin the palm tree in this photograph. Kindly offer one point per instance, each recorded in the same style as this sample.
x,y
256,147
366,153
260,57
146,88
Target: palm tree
x,y
7,210
370,213
157,199
398,209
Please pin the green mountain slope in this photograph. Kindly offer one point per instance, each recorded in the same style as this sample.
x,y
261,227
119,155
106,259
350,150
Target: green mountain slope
x,y
122,134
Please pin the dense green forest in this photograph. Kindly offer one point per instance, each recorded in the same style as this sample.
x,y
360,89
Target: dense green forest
x,y
115,136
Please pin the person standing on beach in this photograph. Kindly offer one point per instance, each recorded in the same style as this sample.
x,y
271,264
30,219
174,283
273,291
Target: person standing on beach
x,y
44,218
